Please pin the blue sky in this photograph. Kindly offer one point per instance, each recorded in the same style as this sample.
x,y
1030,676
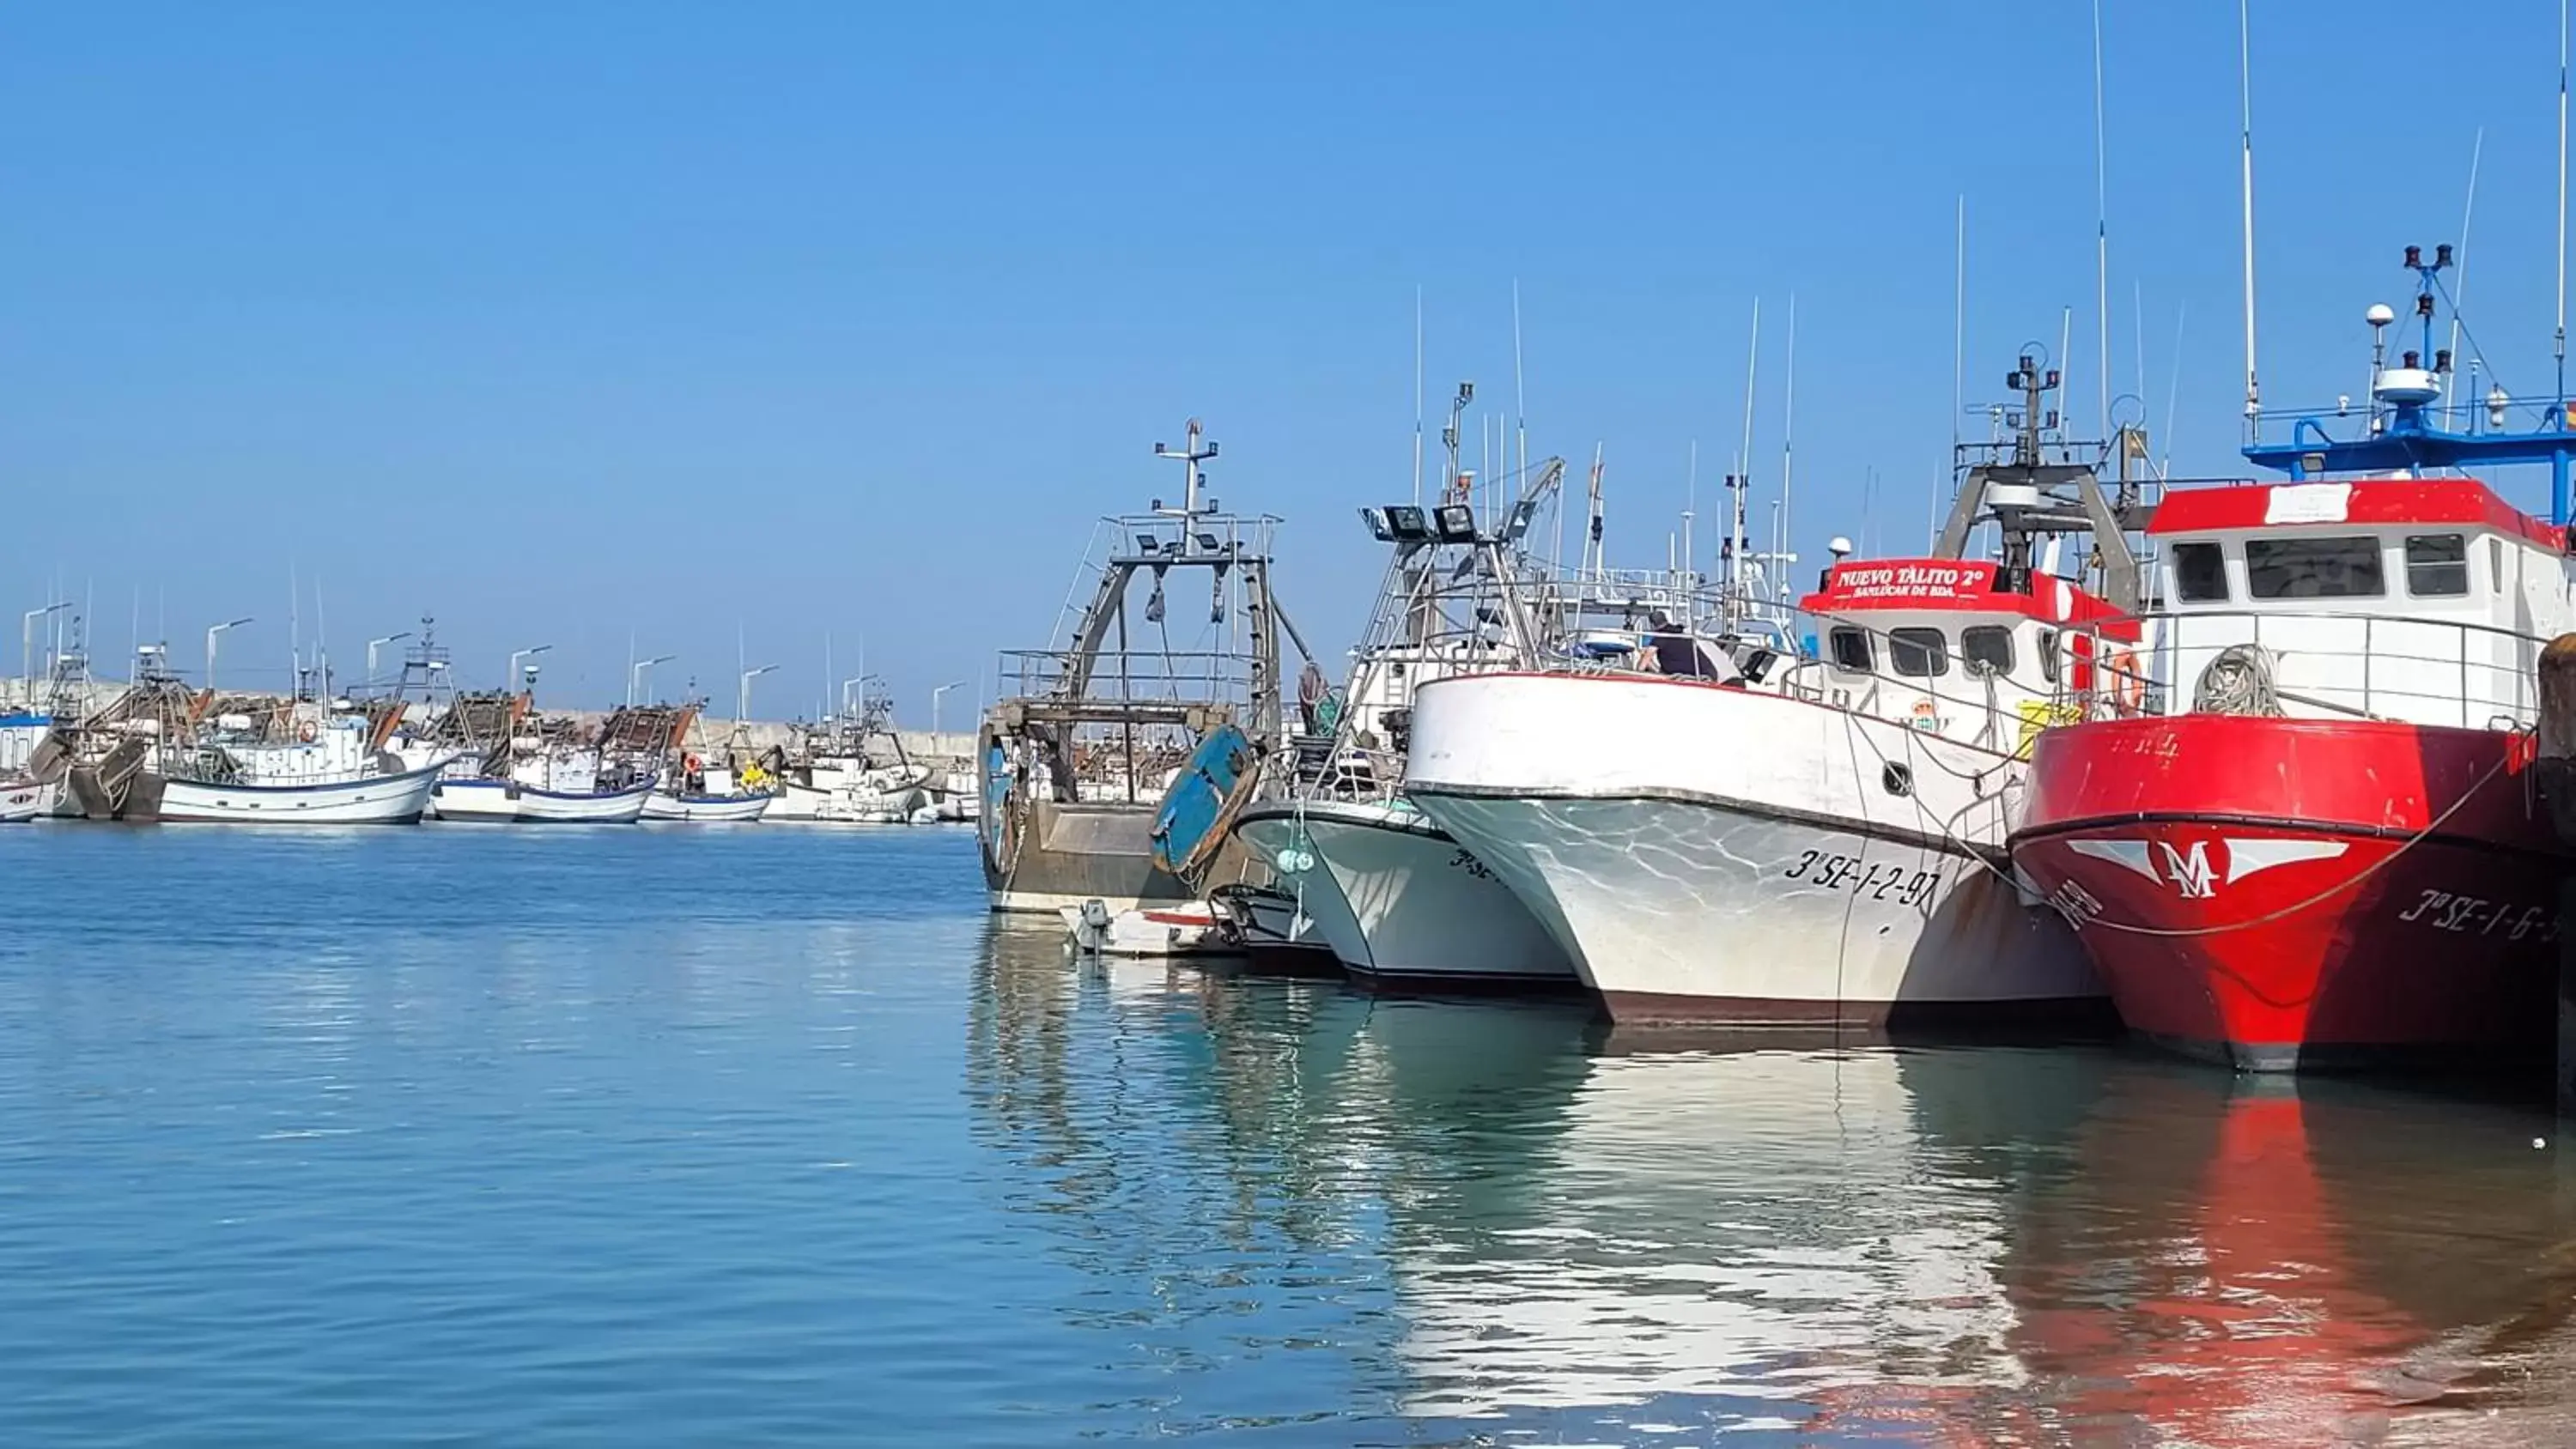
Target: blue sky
x,y
580,320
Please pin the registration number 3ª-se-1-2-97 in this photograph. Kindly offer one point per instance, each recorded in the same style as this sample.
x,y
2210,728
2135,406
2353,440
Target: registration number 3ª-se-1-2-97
x,y
1879,882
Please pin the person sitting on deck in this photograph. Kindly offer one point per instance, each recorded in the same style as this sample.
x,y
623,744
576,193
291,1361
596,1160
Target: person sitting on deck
x,y
1679,655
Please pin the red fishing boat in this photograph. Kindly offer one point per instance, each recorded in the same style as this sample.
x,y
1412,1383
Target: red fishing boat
x,y
2311,839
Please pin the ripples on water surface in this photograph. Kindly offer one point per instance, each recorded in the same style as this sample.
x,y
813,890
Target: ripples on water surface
x,y
768,1136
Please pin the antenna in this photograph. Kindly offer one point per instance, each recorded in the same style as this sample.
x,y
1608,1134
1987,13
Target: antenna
x,y
1781,512
1417,394
2101,224
2138,305
1520,399
2560,344
2460,283
2173,388
1958,370
2245,110
1592,560
1690,502
2065,335
1752,364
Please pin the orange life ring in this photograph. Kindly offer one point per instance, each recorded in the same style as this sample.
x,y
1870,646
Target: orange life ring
x,y
2128,685
304,732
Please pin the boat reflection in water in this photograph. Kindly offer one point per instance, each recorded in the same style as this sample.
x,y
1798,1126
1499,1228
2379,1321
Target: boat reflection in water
x,y
1444,1220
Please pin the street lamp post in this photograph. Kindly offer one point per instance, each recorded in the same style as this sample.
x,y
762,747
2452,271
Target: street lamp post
x,y
742,693
27,646
934,708
210,650
635,675
372,645
515,656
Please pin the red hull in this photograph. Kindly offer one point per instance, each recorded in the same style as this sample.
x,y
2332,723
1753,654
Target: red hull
x,y
2295,893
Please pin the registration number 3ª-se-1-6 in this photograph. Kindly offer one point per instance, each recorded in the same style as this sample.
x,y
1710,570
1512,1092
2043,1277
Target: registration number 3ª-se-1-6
x,y
1878,882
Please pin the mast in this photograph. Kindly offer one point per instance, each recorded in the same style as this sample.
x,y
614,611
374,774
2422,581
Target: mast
x,y
1958,365
1520,398
1744,457
2559,346
2101,224
2245,111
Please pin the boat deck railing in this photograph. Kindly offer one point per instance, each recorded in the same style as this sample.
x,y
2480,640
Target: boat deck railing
x,y
2312,663
1129,675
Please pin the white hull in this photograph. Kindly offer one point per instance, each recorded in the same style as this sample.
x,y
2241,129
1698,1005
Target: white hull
x,y
806,805
497,802
546,807
1716,855
24,800
478,801
706,809
371,800
1399,899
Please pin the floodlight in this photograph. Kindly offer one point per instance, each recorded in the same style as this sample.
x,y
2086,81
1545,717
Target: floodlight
x,y
1457,523
1378,528
1409,524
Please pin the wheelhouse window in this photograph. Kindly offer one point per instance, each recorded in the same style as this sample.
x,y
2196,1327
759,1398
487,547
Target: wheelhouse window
x,y
1987,647
2200,573
2437,566
2048,645
2495,564
1852,651
1918,653
2315,568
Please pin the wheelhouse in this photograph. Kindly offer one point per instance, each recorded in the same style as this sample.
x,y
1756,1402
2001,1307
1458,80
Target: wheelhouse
x,y
1963,648
2417,599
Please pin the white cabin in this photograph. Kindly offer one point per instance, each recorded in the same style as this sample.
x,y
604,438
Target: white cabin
x,y
1942,645
2425,600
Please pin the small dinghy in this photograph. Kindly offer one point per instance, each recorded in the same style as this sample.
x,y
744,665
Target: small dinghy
x,y
1191,928
671,808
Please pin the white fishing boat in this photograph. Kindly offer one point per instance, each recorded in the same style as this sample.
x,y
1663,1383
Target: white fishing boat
x,y
852,769
330,770
1826,849
1401,899
519,767
565,795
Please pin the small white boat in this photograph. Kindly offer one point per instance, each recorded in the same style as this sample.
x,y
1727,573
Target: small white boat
x,y
500,801
1188,928
23,800
705,809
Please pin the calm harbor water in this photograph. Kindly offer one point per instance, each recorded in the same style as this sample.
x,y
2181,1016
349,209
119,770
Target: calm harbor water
x,y
771,1136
